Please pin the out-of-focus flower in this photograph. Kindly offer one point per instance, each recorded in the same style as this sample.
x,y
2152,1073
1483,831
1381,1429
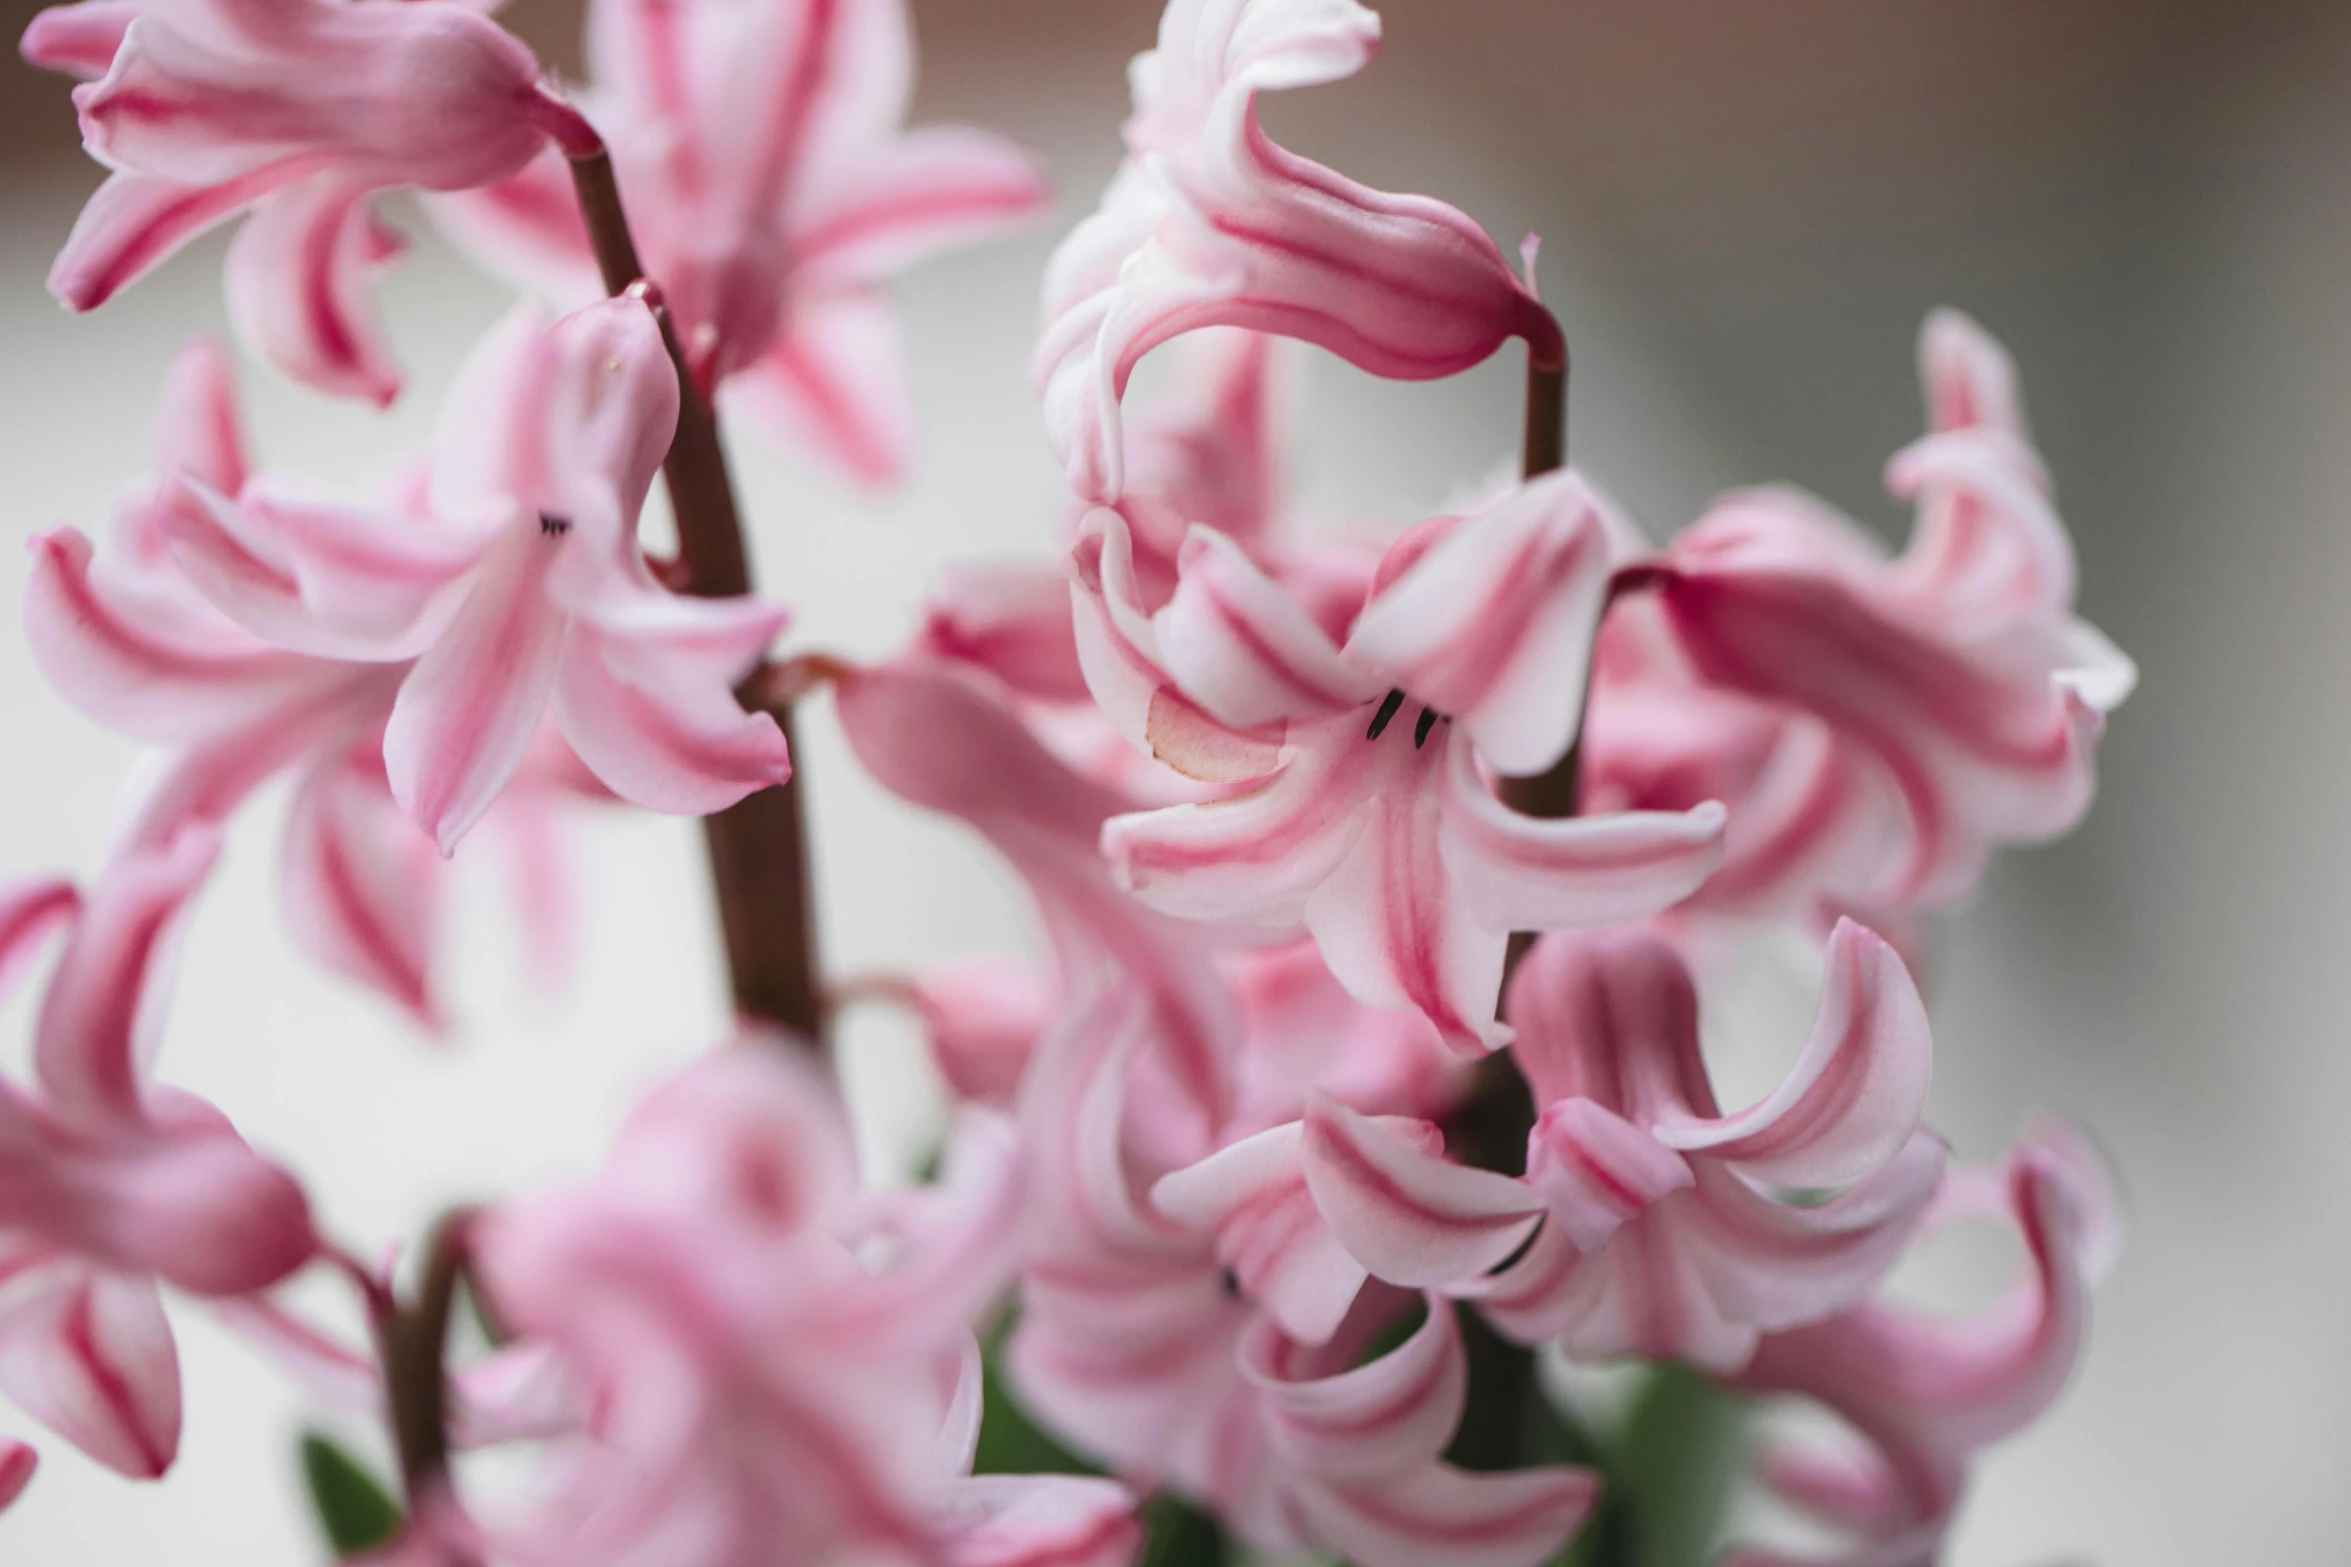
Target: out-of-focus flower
x,y
1903,716
771,188
524,592
1373,822
778,1368
299,111
109,1184
1208,222
1926,1393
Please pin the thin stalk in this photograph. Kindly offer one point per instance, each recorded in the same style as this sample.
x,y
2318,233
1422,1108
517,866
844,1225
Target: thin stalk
x,y
759,862
415,1342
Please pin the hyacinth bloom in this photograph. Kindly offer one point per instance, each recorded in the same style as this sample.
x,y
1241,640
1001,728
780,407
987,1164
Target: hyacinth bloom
x,y
1925,1393
1374,824
109,1185
777,1371
525,594
298,111
1137,1343
771,188
1208,222
1958,700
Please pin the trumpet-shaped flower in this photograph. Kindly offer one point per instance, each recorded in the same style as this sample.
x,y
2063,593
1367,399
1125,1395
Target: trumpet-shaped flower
x,y
1208,222
109,1185
771,188
1926,1393
298,111
1958,699
779,1370
1372,821
524,594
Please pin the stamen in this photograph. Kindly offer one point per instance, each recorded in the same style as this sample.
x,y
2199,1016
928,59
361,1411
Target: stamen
x,y
552,526
1420,731
1390,705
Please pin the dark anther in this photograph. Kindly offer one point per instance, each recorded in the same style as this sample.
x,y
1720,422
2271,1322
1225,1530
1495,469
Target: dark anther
x,y
554,527
1388,709
1420,731
1232,1284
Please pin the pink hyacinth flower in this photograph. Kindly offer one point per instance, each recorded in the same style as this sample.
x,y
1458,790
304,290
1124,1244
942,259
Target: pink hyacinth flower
x,y
770,1359
1926,1393
108,1184
1957,673
1668,1227
524,593
1208,222
771,188
298,111
1379,831
1141,1342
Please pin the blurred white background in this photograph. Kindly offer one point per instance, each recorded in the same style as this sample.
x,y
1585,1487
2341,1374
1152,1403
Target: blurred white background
x,y
1747,206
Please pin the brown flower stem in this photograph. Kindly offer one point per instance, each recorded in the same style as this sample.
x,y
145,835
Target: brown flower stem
x,y
1489,1128
415,1338
759,864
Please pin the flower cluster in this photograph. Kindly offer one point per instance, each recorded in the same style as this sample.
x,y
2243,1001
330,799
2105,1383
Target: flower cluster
x,y
1384,887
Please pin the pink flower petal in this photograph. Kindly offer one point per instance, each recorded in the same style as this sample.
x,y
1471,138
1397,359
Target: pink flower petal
x,y
17,1463
1235,643
1378,1419
91,1357
1519,1519
834,382
133,224
1039,1521
1252,1196
467,711
113,670
1596,1170
1493,625
361,885
933,189
1411,1216
299,276
1852,1099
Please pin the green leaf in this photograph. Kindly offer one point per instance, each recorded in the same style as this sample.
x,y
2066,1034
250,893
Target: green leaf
x,y
353,1507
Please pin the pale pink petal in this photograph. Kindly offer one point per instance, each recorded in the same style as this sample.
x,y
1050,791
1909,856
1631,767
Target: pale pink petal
x,y
86,1045
981,1017
108,665
1521,873
1253,858
1338,1421
1493,624
1855,1095
1439,1513
1597,1171
1411,1216
300,276
91,1357
525,228
657,741
1038,1521
132,225
1234,642
490,444
611,410
833,382
1118,652
17,1464
1252,1196
433,95
316,574
1010,617
361,885
198,434
79,39
932,189
30,910
467,711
